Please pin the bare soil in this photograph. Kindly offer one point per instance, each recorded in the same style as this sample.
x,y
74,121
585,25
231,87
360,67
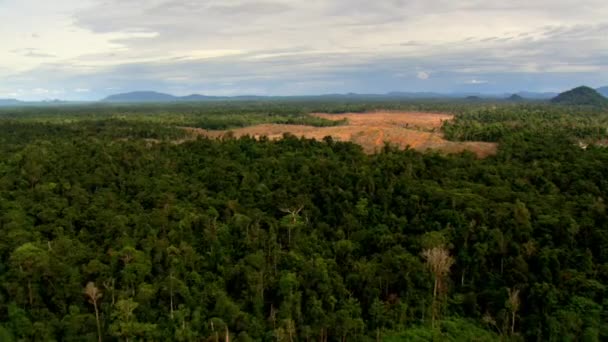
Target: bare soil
x,y
420,131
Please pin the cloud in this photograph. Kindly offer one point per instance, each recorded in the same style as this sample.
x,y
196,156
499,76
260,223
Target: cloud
x,y
423,75
475,81
11,95
33,53
253,8
285,46
40,91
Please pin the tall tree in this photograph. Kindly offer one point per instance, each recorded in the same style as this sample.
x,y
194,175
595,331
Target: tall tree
x,y
439,262
93,294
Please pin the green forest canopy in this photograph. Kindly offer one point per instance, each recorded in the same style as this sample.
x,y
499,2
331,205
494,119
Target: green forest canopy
x,y
108,237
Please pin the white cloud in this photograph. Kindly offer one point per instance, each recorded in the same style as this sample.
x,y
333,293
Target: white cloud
x,y
423,75
475,81
205,54
5,95
40,91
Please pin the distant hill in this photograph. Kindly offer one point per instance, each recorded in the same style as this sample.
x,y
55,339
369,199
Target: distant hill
x,y
141,96
581,96
515,98
536,96
196,97
416,95
603,91
44,103
9,102
152,96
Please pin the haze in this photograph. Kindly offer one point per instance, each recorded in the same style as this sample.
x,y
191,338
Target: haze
x,y
87,49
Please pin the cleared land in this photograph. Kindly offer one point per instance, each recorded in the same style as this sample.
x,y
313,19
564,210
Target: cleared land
x,y
420,131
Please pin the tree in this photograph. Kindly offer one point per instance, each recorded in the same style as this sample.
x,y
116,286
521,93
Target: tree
x,y
378,313
136,266
513,303
348,320
292,219
125,322
93,294
32,263
439,262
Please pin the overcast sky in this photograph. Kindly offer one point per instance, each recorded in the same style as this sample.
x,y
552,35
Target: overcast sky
x,y
87,49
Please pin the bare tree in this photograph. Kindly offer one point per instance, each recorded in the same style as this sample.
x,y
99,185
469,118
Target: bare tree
x,y
439,262
93,293
513,303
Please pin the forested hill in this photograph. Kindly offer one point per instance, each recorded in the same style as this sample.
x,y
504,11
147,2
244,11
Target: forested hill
x,y
114,229
141,96
516,98
581,96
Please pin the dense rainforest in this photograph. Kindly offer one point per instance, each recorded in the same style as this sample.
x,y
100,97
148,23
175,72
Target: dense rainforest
x,y
112,231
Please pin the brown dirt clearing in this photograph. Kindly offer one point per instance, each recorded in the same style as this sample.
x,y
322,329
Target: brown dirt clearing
x,y
420,131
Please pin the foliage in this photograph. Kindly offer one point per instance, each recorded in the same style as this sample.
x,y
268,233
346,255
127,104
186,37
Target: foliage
x,y
454,330
299,239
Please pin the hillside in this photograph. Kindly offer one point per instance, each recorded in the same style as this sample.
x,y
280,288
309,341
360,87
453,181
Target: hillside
x,y
581,96
603,91
196,97
140,96
515,97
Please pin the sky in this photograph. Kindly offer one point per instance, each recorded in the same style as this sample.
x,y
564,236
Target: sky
x,y
88,49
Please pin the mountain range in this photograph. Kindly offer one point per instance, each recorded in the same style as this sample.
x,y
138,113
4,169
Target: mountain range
x,y
19,103
151,96
157,97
